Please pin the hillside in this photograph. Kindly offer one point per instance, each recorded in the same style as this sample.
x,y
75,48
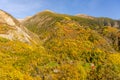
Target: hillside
x,y
48,24
11,29
79,40
19,49
52,46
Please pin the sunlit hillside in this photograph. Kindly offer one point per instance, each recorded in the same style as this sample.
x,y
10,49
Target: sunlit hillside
x,y
52,46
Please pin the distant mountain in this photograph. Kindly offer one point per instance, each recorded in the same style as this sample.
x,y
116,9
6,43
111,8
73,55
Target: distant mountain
x,y
21,20
102,20
85,16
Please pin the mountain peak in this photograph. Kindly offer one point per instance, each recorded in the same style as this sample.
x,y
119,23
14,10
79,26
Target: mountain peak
x,y
85,16
45,11
48,11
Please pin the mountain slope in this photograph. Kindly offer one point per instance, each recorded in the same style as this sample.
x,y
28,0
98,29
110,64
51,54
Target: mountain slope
x,y
71,48
47,24
79,41
20,50
11,29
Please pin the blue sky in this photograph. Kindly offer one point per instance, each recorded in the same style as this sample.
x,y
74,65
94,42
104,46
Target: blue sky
x,y
98,8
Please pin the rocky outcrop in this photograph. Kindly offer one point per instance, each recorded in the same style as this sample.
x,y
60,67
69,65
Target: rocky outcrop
x,y
16,31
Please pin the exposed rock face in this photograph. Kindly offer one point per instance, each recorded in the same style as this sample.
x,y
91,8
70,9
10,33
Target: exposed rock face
x,y
16,32
116,24
7,19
